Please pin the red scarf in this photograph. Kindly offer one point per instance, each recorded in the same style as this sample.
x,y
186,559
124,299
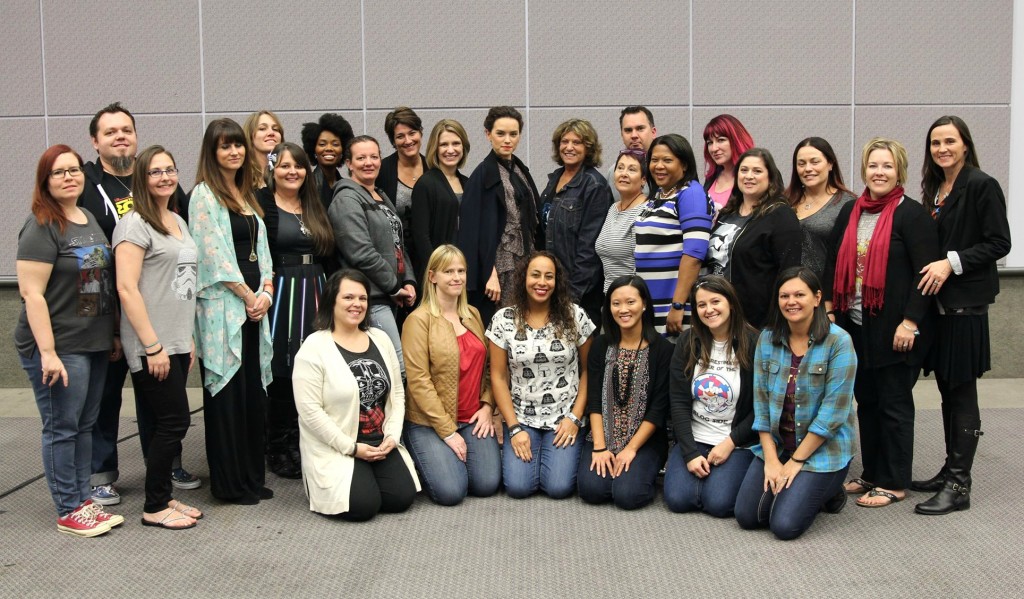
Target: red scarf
x,y
872,290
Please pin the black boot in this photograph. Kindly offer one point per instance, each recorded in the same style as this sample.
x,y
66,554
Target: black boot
x,y
935,483
955,494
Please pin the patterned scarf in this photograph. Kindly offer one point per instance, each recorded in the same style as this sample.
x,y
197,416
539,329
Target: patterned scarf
x,y
622,421
512,246
877,260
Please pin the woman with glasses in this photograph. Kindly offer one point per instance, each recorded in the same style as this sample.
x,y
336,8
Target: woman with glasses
x,y
65,334
616,242
301,241
156,279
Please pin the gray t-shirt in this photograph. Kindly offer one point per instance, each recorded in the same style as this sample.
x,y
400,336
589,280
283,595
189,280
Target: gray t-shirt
x,y
80,291
167,284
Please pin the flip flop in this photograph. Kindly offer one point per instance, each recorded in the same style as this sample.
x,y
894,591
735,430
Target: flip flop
x,y
864,485
879,493
185,510
168,520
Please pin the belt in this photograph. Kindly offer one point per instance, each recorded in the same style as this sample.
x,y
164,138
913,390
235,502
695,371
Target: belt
x,y
295,259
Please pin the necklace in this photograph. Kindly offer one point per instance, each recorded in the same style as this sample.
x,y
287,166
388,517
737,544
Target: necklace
x,y
664,195
302,226
809,201
252,235
631,202
297,213
625,366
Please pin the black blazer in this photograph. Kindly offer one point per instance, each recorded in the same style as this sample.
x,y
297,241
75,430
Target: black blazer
x,y
914,243
972,223
482,219
435,216
659,358
387,176
680,398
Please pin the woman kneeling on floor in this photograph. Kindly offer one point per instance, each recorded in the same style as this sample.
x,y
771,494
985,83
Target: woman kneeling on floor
x,y
351,404
804,367
711,395
627,401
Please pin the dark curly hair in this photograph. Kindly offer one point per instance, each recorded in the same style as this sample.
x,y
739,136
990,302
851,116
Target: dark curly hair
x,y
335,123
561,313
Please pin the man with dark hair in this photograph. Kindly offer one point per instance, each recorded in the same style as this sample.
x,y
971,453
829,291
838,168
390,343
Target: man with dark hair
x,y
108,196
636,124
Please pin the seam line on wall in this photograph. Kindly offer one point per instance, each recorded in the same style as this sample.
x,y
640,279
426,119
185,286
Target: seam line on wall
x,y
42,60
526,30
691,70
853,87
362,53
202,72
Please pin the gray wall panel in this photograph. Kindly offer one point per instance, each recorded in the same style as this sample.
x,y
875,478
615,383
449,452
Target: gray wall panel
x,y
791,52
780,129
990,128
73,131
934,52
17,178
144,55
21,69
256,56
590,54
439,53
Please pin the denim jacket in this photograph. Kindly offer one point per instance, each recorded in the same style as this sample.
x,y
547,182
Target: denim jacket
x,y
572,220
824,396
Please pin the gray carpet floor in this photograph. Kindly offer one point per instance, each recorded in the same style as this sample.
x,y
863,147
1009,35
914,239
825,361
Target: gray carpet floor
x,y
500,547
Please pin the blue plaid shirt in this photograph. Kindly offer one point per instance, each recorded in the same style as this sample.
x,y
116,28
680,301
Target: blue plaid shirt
x,y
824,396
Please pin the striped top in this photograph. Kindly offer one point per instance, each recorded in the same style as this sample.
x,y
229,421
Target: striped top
x,y
616,244
667,230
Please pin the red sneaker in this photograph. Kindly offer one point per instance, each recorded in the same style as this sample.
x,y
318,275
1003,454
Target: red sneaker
x,y
82,523
101,515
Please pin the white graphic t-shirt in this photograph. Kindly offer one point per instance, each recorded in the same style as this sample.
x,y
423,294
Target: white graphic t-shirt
x,y
715,391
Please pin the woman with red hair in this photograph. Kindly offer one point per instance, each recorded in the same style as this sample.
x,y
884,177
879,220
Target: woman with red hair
x,y
65,334
725,140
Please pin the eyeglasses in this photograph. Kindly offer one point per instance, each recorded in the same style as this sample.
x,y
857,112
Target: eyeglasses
x,y
61,172
157,173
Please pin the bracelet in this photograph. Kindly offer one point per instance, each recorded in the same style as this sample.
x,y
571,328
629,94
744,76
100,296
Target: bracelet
x,y
602,450
914,331
150,355
151,345
269,296
794,459
573,419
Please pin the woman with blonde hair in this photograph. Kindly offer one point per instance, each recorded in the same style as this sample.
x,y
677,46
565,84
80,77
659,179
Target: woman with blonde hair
x,y
264,131
434,217
449,405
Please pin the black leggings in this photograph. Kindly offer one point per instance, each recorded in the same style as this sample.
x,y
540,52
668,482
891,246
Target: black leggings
x,y
384,486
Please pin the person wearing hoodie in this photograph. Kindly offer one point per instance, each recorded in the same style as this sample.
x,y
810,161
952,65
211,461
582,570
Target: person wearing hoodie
x,y
107,194
369,238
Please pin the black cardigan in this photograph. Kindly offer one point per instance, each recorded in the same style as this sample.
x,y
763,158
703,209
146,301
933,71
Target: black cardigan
x,y
435,216
387,176
973,224
766,246
659,358
914,243
680,397
482,219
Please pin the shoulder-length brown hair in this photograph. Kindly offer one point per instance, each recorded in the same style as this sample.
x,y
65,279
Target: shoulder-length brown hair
x,y
45,207
143,203
315,217
771,198
221,131
701,340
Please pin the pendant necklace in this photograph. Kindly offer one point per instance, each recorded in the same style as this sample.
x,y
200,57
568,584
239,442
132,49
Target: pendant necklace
x,y
253,228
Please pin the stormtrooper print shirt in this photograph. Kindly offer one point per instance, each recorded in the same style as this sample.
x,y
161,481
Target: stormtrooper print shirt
x,y
167,283
544,370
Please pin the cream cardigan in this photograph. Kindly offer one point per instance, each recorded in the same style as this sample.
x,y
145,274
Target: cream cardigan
x,y
327,400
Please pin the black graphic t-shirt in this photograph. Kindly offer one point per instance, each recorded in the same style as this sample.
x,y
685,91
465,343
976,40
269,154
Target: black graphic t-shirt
x,y
374,386
80,291
118,190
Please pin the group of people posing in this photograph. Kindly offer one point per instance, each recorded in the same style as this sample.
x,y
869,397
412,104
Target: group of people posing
x,y
407,327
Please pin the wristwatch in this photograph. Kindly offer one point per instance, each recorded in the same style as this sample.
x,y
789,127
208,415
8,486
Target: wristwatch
x,y
677,306
573,419
515,430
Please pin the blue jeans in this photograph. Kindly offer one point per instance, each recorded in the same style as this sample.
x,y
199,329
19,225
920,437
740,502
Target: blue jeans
x,y
104,433
552,470
715,493
382,316
790,513
630,490
68,414
445,477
